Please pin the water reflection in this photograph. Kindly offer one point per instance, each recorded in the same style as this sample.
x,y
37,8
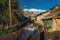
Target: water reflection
x,y
28,32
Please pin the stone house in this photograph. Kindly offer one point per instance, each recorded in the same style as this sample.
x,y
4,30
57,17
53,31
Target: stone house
x,y
50,17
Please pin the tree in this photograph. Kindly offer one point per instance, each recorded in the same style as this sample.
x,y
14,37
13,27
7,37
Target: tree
x,y
10,13
4,11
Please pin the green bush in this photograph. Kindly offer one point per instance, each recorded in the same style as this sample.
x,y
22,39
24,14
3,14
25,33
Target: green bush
x,y
38,24
48,26
6,29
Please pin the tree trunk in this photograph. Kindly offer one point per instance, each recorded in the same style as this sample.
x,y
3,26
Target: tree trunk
x,y
10,13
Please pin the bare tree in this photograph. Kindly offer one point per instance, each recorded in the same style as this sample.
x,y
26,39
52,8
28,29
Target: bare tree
x,y
10,13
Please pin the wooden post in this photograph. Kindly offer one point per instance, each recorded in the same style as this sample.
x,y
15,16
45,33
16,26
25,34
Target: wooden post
x,y
10,13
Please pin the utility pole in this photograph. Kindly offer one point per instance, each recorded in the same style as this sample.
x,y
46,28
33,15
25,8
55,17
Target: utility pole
x,y
10,13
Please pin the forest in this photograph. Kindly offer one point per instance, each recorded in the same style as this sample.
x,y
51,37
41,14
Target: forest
x,y
17,17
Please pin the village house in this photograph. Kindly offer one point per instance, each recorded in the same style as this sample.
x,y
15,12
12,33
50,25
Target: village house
x,y
50,17
51,20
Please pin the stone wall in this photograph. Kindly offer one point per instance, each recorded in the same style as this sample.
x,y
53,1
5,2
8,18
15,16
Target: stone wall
x,y
12,36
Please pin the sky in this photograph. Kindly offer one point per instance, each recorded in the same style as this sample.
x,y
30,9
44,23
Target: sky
x,y
38,4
